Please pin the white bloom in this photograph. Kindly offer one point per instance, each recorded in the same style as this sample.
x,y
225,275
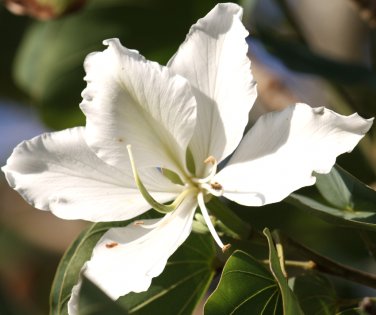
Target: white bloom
x,y
184,118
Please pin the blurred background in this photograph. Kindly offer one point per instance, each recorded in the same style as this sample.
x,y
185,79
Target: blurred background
x,y
318,52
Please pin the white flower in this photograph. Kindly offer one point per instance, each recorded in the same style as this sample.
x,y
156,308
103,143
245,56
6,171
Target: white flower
x,y
180,120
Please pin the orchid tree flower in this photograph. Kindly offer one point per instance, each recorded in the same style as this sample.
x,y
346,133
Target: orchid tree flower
x,y
154,137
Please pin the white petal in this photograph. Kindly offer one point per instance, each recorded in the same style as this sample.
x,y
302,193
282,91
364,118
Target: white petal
x,y
214,60
279,154
126,259
58,172
129,100
73,307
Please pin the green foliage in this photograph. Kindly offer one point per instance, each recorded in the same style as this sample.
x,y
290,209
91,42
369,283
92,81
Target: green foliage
x,y
315,293
94,302
290,304
188,273
346,201
245,287
49,61
67,274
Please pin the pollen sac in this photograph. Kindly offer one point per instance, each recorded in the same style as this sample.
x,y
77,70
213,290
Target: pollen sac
x,y
112,245
216,186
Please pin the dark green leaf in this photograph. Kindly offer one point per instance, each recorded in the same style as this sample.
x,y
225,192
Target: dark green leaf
x,y
182,284
188,273
334,189
315,293
289,301
12,29
94,302
347,201
245,287
67,274
352,194
49,63
353,219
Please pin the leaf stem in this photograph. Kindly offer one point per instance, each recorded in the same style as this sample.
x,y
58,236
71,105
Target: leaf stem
x,y
280,253
328,266
306,265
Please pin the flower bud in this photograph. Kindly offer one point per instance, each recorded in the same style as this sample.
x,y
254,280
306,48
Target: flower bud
x,y
43,9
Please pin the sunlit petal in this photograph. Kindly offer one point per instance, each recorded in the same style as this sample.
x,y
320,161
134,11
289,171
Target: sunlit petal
x,y
58,172
126,259
129,100
214,60
281,152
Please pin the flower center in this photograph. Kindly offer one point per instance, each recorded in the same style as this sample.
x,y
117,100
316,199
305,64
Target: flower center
x,y
207,185
202,187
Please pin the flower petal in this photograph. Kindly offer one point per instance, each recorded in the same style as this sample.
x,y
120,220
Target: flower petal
x,y
126,259
58,172
280,153
214,60
129,100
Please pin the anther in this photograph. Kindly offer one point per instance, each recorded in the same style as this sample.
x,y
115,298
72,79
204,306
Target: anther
x,y
226,248
112,245
216,186
210,159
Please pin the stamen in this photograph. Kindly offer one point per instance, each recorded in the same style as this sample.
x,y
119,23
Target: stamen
x,y
205,214
216,186
112,245
213,171
213,191
149,199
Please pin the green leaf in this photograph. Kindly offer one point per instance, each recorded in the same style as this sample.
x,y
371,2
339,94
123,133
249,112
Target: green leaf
x,y
55,51
346,201
334,189
188,273
94,302
356,219
67,274
49,62
315,293
182,284
245,287
351,193
16,26
289,301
